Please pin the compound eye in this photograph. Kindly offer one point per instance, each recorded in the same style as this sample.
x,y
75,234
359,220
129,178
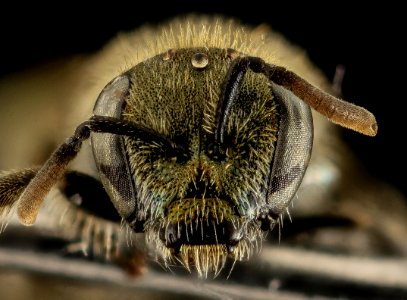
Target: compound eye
x,y
294,138
109,151
293,149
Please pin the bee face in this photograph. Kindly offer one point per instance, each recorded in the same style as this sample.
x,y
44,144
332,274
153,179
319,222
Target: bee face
x,y
196,198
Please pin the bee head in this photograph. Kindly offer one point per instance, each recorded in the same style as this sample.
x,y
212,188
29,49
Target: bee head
x,y
220,154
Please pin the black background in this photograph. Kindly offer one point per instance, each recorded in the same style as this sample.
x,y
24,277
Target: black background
x,y
366,39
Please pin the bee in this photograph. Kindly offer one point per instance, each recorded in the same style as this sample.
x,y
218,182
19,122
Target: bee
x,y
200,143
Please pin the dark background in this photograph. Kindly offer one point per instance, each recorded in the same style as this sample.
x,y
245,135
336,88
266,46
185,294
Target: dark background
x,y
367,40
